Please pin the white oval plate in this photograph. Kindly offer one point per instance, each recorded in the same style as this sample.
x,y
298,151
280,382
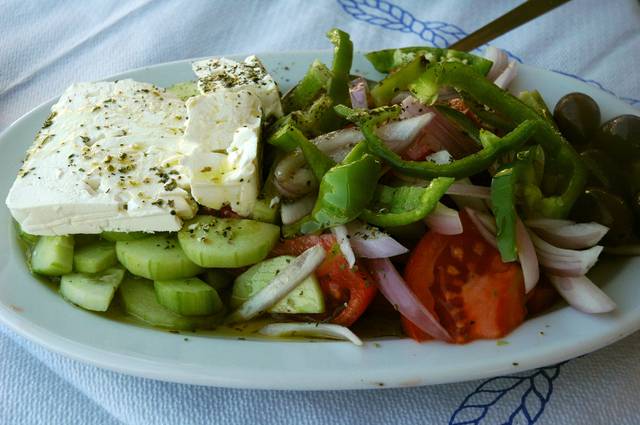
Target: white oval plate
x,y
40,314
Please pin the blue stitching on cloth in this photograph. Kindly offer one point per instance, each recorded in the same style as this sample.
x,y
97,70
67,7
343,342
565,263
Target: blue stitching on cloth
x,y
535,389
387,15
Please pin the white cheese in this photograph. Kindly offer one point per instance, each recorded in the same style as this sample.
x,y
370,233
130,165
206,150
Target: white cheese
x,y
228,75
106,159
221,147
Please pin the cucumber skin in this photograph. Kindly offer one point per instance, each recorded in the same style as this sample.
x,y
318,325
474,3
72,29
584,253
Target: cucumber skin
x,y
95,257
214,242
136,257
306,298
76,288
42,262
179,296
139,300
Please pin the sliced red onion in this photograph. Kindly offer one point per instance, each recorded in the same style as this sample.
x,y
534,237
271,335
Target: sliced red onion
x,y
292,178
342,237
444,220
337,144
440,134
369,242
467,198
400,134
500,61
396,291
506,77
487,233
288,278
321,330
469,190
581,293
412,107
290,212
564,262
527,257
568,234
359,92
399,97
623,250
396,134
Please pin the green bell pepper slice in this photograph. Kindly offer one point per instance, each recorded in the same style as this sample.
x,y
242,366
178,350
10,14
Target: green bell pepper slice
x,y
287,135
302,95
534,100
493,146
387,60
399,206
317,160
503,205
342,58
562,159
400,80
345,191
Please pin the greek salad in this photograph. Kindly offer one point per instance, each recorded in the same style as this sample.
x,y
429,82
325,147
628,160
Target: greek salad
x,y
434,196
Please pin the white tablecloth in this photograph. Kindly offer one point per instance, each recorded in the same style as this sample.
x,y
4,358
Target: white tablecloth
x,y
47,45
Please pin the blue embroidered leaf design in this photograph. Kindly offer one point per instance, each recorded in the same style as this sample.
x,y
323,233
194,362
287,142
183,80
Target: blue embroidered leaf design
x,y
390,16
489,403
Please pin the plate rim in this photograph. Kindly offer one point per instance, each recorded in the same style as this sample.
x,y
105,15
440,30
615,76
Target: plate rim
x,y
113,361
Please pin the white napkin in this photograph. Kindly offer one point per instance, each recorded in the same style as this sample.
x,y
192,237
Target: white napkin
x,y
46,46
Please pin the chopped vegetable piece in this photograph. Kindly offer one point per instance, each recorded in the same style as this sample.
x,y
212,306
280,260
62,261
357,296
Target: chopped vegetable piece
x,y
302,95
288,278
493,146
398,206
388,60
462,279
561,157
503,207
348,291
319,330
345,191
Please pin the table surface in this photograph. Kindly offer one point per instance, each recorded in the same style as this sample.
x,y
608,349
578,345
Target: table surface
x,y
47,46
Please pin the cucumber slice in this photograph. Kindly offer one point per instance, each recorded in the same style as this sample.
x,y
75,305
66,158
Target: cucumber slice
x,y
263,212
123,236
227,242
91,291
156,257
95,257
139,300
27,237
53,255
305,298
218,279
188,297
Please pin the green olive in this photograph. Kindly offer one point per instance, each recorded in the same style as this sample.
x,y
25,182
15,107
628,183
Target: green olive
x,y
608,209
578,117
620,137
603,171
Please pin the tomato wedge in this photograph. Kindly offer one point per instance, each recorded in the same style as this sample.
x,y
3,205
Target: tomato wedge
x,y
348,291
464,282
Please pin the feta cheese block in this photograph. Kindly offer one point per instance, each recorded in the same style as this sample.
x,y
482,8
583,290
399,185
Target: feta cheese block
x,y
221,149
228,75
106,159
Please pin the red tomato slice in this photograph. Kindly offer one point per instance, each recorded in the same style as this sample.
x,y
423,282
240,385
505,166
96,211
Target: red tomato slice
x,y
348,292
464,282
